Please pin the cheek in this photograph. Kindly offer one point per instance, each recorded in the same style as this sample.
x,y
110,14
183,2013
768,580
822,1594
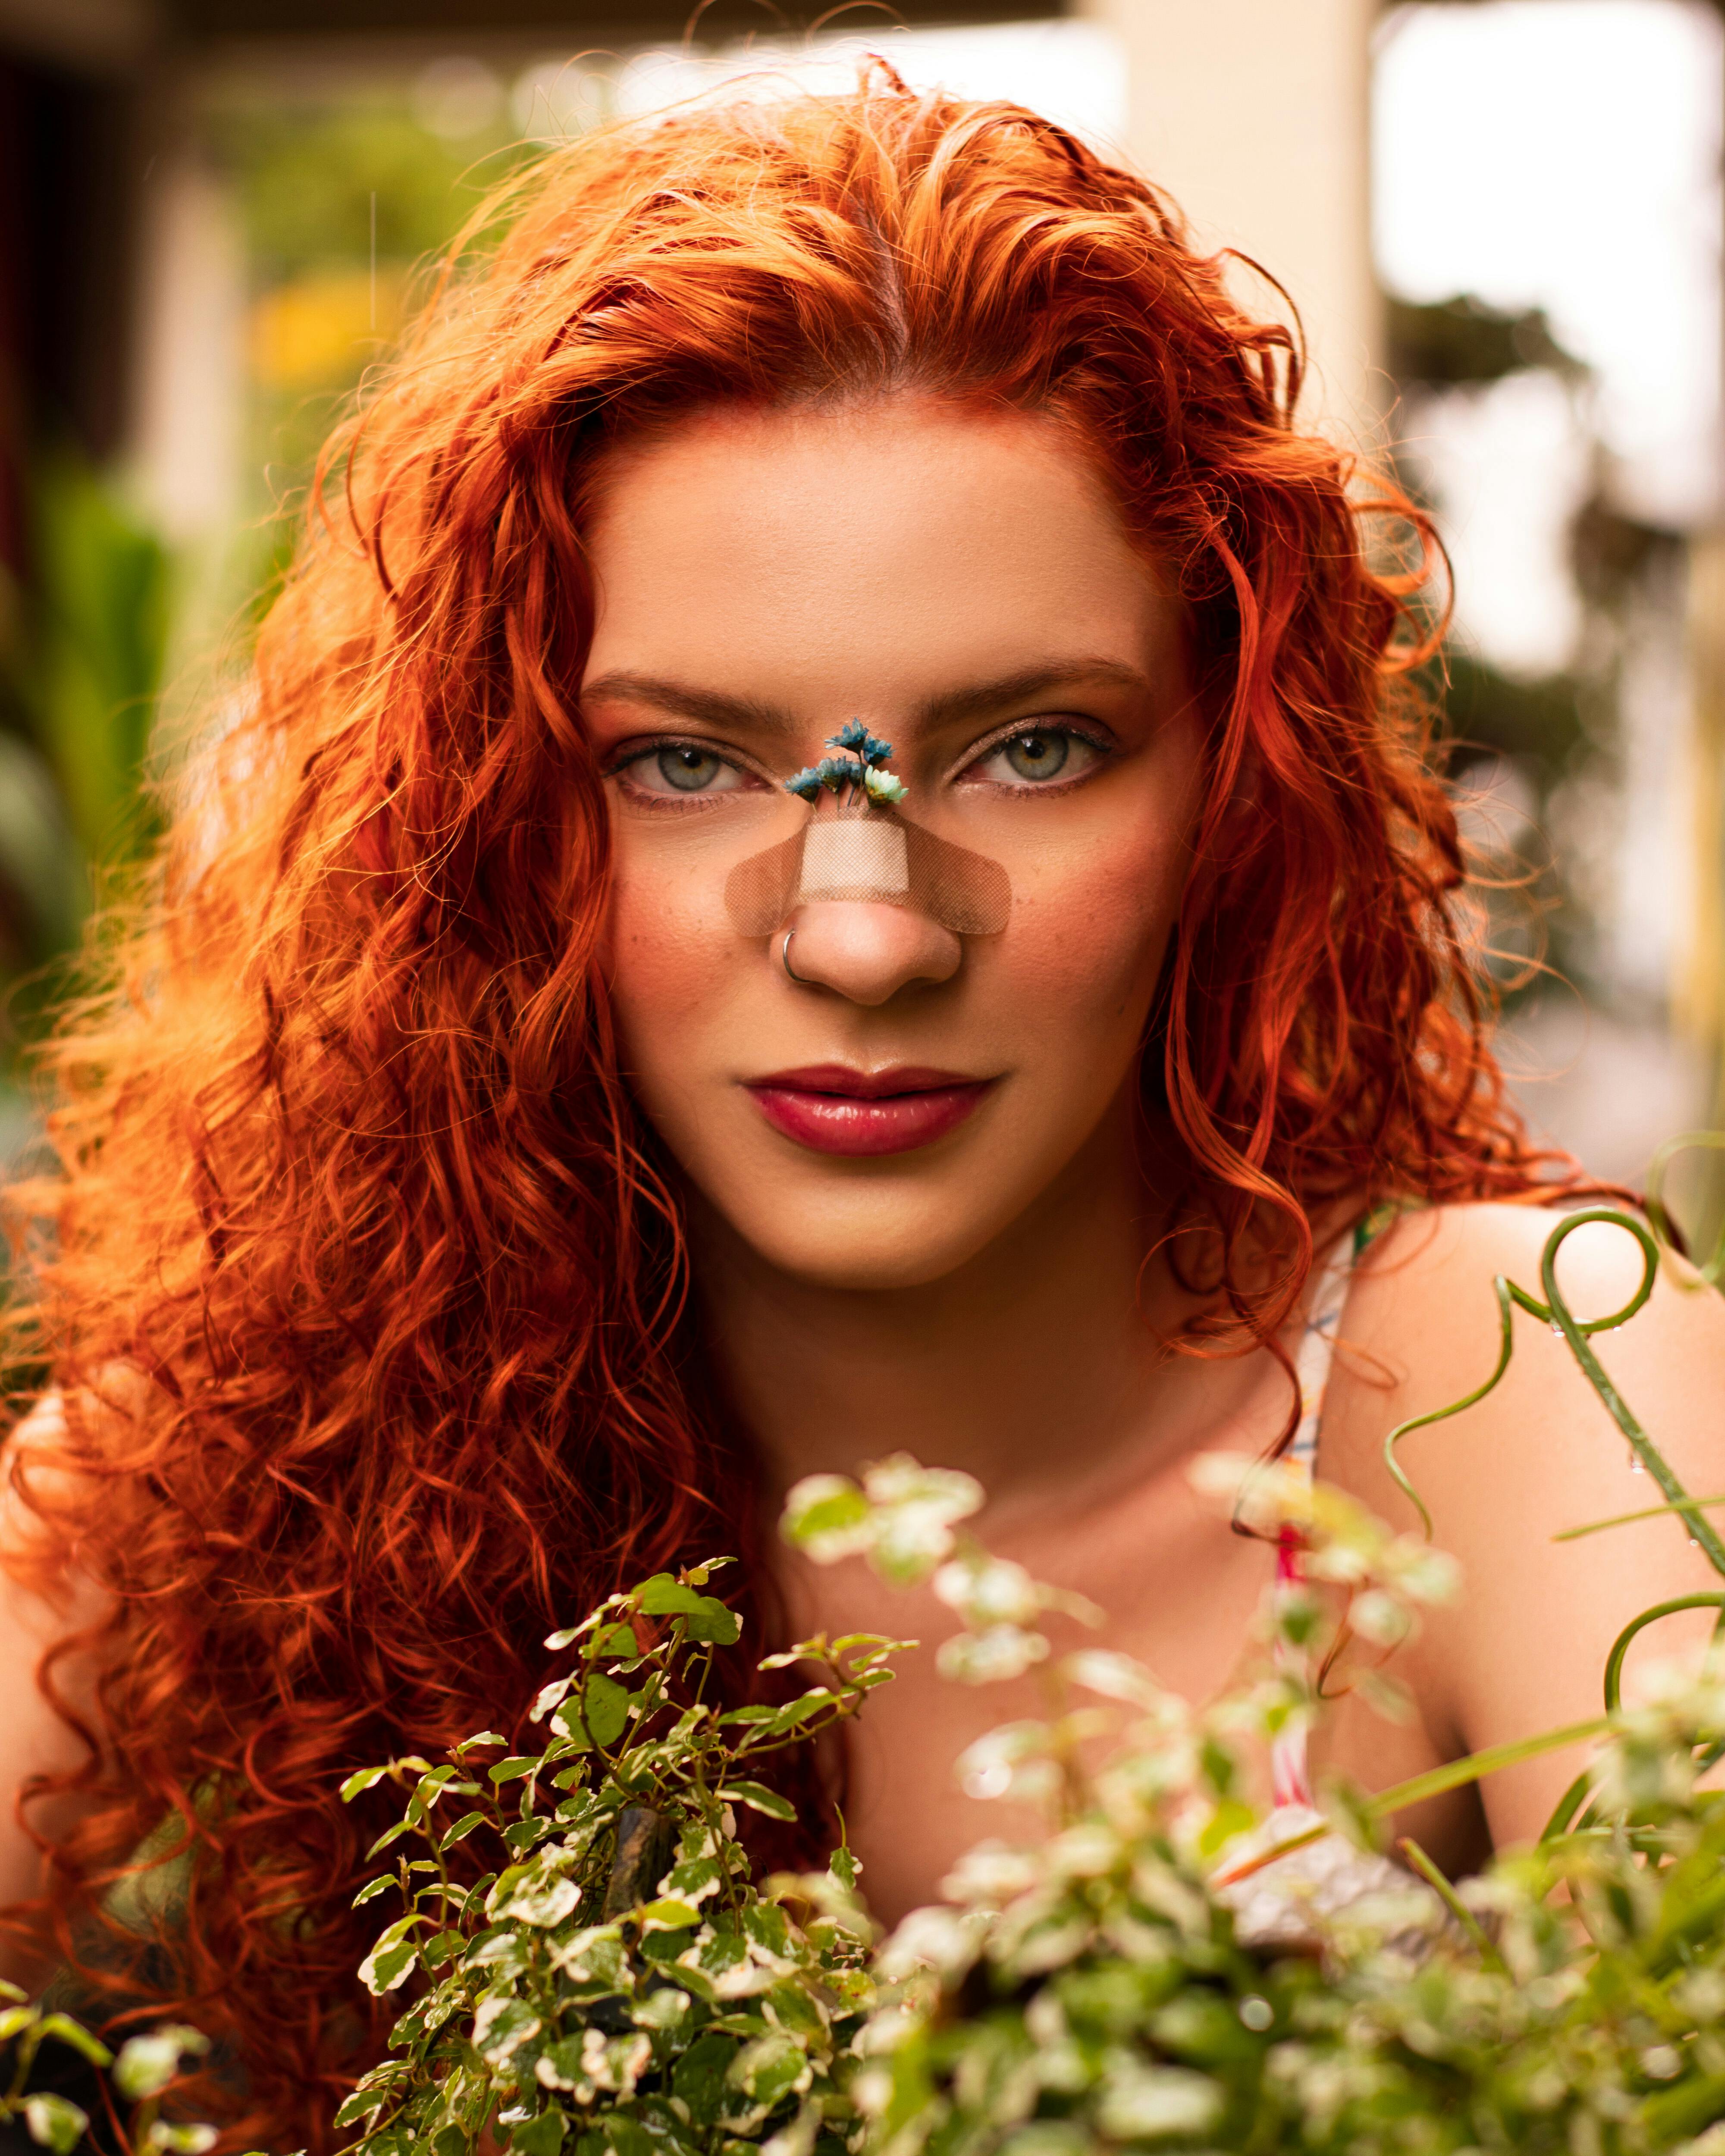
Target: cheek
x,y
665,950
1086,943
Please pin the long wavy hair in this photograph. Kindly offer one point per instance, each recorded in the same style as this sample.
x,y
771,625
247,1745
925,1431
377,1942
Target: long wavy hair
x,y
360,1279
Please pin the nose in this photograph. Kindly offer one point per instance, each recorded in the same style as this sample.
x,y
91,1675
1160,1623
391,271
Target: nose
x,y
867,952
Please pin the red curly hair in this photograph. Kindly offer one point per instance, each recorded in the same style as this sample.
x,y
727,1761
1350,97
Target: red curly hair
x,y
364,1285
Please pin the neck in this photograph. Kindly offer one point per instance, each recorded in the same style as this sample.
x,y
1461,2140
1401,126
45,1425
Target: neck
x,y
1032,1366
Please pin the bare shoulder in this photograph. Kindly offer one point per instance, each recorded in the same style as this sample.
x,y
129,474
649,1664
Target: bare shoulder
x,y
1422,1328
1506,1478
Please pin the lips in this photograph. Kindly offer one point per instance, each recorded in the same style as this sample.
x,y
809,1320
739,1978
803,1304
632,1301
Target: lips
x,y
830,1108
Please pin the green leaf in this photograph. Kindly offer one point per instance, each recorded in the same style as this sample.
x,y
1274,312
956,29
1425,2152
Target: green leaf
x,y
759,1799
698,2078
1230,1817
662,1596
473,1744
463,1827
542,2136
147,2064
769,2067
390,1835
829,1515
844,1868
368,1778
388,1961
165,2138
382,1972
617,1641
568,1722
372,1889
363,2104
605,1707
502,2026
513,1768
54,2123
1476,1766
68,2031
668,1914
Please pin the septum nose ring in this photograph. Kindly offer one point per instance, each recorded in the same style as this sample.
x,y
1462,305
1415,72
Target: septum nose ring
x,y
784,958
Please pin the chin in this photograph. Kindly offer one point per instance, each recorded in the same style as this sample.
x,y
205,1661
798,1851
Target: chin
x,y
868,1249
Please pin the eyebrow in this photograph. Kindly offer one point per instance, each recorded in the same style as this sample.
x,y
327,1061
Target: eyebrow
x,y
986,696
713,708
679,701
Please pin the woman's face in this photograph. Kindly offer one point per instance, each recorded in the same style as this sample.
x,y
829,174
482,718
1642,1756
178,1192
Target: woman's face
x,y
961,584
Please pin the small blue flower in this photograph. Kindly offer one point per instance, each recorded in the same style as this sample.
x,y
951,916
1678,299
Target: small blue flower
x,y
861,772
855,735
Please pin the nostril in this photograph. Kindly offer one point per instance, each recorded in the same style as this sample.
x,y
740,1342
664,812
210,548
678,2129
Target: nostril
x,y
867,950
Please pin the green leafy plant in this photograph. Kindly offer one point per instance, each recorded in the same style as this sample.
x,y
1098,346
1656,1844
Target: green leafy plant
x,y
623,1980
619,1974
142,2070
1163,1969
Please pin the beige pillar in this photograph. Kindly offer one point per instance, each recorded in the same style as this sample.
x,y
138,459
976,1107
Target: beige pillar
x,y
1254,115
1698,975
190,387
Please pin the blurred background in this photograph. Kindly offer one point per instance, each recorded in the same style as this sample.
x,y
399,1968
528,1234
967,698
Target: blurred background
x,y
1501,219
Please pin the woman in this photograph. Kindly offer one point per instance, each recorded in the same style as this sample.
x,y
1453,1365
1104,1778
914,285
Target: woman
x,y
508,1159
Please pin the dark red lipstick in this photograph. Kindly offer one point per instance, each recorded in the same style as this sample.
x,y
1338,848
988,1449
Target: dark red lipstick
x,y
831,1108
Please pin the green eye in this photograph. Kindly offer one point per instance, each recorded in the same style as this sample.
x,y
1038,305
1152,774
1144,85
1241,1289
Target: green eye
x,y
1037,755
688,770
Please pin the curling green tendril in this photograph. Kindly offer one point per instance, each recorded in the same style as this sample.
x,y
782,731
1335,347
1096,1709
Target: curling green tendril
x,y
1620,1645
1555,1311
1691,1142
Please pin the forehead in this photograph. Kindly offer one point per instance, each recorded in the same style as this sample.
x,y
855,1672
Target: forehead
x,y
866,555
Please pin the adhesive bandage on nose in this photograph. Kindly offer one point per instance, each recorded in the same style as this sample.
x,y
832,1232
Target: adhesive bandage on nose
x,y
858,846
872,855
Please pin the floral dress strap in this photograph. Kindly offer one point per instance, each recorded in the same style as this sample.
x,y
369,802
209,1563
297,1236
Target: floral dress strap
x,y
1290,1777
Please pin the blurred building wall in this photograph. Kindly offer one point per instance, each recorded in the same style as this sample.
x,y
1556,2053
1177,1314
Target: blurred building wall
x,y
1254,115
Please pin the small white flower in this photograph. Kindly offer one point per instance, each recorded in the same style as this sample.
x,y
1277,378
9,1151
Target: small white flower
x,y
990,1872
1380,1618
1003,1652
1113,1676
1142,2103
988,1591
939,1938
1087,1850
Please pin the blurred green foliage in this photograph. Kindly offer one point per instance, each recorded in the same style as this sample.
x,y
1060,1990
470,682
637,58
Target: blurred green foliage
x,y
339,196
1489,713
305,174
79,672
342,197
1463,340
1556,735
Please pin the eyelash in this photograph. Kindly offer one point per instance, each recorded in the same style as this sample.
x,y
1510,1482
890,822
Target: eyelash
x,y
1071,728
635,753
